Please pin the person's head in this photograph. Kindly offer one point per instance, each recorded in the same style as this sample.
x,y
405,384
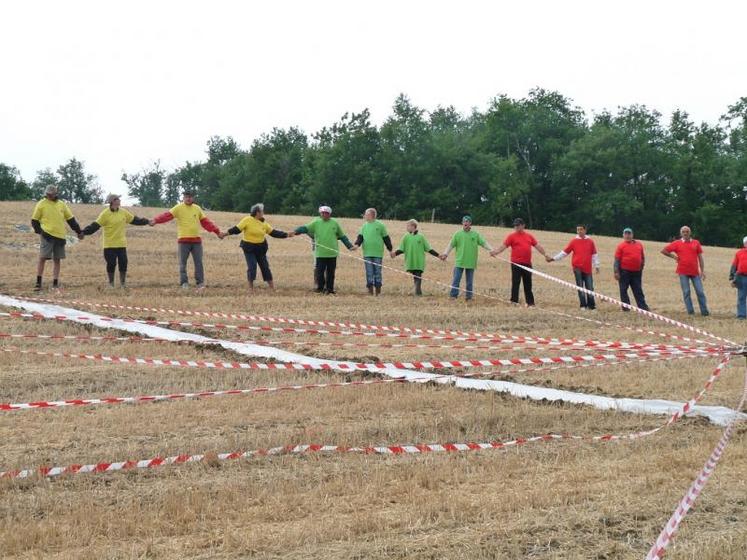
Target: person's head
x,y
628,234
188,197
467,223
257,211
370,214
744,241
412,226
113,201
581,230
51,192
325,212
685,232
519,224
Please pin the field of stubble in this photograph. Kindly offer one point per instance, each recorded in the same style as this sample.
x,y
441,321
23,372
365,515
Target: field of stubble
x,y
544,500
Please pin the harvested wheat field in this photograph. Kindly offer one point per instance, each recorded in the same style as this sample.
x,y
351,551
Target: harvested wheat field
x,y
562,498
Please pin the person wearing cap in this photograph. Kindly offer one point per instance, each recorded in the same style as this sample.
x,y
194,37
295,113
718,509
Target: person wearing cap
x,y
254,243
738,279
585,257
688,254
629,262
466,242
373,237
521,243
325,232
189,217
48,220
414,246
114,220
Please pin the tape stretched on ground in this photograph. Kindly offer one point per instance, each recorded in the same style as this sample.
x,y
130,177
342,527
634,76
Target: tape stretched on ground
x,y
296,330
358,366
349,325
51,403
716,414
670,528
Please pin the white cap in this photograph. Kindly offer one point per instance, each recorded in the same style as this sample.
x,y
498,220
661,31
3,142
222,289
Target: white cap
x,y
744,240
112,197
50,189
325,209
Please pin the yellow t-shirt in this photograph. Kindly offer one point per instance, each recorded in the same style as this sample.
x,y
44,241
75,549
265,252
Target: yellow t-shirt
x,y
114,225
187,219
254,229
52,216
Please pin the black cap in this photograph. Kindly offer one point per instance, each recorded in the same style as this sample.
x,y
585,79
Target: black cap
x,y
518,222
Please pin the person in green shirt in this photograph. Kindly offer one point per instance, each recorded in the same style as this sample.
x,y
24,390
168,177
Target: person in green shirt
x,y
414,246
373,237
325,231
465,242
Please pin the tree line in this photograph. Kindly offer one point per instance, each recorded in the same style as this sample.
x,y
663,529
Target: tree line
x,y
539,157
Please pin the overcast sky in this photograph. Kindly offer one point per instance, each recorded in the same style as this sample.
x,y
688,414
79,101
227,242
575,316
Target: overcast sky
x,y
121,85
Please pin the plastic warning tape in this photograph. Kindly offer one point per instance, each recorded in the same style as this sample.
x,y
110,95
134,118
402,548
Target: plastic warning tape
x,y
51,403
295,330
347,366
383,450
37,405
696,488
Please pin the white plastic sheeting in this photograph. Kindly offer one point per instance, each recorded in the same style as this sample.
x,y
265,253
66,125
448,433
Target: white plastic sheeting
x,y
716,414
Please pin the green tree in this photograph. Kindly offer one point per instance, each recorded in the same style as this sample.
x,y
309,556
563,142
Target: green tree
x,y
147,186
76,185
12,186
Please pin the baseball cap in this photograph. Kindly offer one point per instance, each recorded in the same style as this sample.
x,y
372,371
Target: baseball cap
x,y
467,218
326,209
112,197
518,222
627,230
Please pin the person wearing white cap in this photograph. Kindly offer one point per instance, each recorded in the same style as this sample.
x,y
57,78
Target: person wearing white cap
x,y
114,220
325,231
738,279
48,220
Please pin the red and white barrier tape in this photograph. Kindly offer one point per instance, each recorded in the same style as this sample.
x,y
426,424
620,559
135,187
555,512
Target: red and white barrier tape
x,y
294,330
37,405
667,533
360,366
50,403
386,450
358,326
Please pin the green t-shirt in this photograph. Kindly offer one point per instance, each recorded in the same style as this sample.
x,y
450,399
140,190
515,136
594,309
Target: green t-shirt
x,y
414,246
465,243
325,234
373,238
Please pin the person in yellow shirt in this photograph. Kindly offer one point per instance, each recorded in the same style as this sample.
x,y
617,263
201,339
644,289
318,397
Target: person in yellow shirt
x,y
189,217
114,220
254,243
48,220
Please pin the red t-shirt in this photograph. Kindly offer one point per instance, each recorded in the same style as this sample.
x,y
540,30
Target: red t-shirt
x,y
582,250
740,261
521,244
687,256
630,255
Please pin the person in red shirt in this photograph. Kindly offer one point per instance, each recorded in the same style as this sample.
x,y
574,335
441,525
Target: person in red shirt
x,y
738,279
690,267
521,243
584,258
629,262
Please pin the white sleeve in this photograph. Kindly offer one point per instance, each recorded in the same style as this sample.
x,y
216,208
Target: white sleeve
x,y
595,260
560,255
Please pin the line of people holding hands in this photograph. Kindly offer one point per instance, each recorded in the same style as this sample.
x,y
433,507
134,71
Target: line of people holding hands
x,y
52,214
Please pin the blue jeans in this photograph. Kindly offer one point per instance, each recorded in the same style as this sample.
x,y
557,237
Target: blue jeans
x,y
741,282
457,279
584,280
698,285
373,271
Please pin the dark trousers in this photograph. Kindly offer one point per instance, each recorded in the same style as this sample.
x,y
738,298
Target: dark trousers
x,y
519,275
584,280
256,255
116,257
417,278
634,280
325,274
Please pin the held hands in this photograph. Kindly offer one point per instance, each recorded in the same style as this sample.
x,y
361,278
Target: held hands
x,y
81,235
222,235
355,247
291,234
494,252
151,223
392,254
549,259
443,257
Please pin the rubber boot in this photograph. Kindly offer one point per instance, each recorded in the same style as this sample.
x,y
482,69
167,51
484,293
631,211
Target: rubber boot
x,y
418,286
378,290
370,290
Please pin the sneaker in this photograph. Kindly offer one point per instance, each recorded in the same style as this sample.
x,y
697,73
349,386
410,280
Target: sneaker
x,y
200,287
185,286
38,288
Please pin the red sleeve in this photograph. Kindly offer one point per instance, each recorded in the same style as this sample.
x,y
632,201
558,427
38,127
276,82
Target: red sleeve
x,y
534,241
670,248
593,248
619,251
700,248
209,226
508,240
569,248
736,259
163,218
